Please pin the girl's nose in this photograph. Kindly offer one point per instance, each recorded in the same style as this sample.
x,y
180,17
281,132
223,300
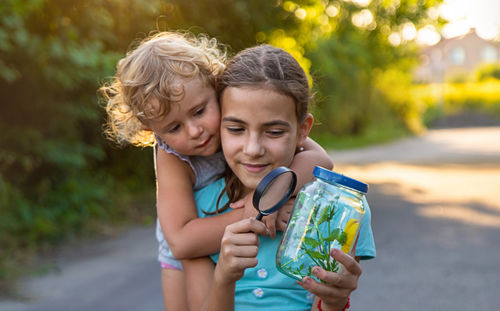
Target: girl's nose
x,y
194,130
253,146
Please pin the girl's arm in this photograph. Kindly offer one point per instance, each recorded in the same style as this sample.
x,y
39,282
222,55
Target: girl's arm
x,y
239,248
304,162
187,235
199,274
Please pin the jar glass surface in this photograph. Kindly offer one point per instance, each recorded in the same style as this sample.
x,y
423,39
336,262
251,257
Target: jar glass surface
x,y
325,216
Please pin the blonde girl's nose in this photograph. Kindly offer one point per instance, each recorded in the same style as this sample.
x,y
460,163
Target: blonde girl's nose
x,y
194,129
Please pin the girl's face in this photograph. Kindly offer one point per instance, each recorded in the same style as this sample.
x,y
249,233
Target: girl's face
x,y
192,125
259,132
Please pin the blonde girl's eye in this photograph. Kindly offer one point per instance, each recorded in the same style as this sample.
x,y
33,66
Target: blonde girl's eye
x,y
174,129
199,111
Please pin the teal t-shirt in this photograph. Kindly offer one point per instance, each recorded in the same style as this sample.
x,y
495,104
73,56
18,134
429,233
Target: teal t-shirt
x,y
264,287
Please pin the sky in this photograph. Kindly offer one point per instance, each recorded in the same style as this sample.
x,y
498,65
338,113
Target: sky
x,y
462,16
483,15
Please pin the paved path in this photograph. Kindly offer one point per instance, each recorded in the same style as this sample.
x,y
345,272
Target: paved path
x,y
436,219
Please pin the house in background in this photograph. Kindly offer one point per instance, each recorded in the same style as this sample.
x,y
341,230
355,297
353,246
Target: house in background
x,y
456,56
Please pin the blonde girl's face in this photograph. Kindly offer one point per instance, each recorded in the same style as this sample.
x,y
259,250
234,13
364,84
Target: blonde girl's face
x,y
259,132
192,125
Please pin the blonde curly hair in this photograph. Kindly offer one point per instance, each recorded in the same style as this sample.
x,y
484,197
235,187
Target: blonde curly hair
x,y
156,70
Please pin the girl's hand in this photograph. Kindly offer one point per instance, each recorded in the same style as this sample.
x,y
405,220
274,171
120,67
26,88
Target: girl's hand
x,y
239,248
246,202
284,215
335,291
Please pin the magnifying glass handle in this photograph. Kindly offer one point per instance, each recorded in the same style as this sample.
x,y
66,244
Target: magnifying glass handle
x,y
259,217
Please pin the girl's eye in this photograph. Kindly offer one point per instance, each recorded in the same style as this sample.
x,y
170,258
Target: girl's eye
x,y
275,133
174,129
235,130
199,112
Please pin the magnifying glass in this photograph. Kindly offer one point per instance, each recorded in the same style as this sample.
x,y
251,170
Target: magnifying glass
x,y
274,190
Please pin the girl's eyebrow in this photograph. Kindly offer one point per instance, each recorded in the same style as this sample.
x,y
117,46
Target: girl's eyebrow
x,y
233,119
201,103
270,123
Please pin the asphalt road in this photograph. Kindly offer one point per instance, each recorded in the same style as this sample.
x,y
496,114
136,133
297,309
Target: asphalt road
x,y
435,216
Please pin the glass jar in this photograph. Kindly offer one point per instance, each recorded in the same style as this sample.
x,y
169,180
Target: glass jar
x,y
327,214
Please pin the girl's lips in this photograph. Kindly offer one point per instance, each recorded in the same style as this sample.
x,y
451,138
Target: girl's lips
x,y
255,168
204,144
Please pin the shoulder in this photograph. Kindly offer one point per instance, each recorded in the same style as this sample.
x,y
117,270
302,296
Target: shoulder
x,y
171,166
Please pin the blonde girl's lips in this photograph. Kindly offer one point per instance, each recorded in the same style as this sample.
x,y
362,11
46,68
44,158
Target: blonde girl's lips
x,y
205,143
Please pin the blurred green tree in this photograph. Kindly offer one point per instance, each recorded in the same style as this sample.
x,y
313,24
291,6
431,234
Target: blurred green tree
x,y
54,163
343,44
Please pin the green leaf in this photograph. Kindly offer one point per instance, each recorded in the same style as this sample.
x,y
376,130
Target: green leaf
x,y
342,238
333,235
324,216
311,242
317,255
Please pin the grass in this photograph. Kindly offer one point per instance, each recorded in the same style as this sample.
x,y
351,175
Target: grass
x,y
371,136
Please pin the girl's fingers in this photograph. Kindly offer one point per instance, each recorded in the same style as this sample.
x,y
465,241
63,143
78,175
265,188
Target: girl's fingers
x,y
237,204
249,251
326,293
349,262
336,287
247,225
270,221
247,238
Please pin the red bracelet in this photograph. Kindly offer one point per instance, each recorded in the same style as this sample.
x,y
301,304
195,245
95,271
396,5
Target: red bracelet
x,y
347,306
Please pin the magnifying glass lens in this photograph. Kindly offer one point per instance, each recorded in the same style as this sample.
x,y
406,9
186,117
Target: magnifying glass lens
x,y
275,191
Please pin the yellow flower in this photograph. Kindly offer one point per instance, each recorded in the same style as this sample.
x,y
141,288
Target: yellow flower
x,y
350,230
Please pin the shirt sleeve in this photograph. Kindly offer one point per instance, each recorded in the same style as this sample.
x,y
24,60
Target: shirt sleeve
x,y
366,243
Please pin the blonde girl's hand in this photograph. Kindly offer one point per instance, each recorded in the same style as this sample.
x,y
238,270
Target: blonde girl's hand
x,y
337,287
246,203
239,248
284,215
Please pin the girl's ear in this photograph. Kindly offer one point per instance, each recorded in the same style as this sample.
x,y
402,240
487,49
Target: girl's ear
x,y
304,129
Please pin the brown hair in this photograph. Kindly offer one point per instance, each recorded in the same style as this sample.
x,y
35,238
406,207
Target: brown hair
x,y
264,66
156,69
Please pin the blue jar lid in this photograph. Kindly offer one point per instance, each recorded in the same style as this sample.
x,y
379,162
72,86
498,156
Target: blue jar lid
x,y
330,176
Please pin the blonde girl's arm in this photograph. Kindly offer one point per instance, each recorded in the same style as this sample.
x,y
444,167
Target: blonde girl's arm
x,y
304,162
187,235
199,274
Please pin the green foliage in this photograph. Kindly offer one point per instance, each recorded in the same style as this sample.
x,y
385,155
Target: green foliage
x,y
54,160
452,98
488,71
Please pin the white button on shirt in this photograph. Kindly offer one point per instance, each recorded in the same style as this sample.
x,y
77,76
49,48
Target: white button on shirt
x,y
262,273
258,292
